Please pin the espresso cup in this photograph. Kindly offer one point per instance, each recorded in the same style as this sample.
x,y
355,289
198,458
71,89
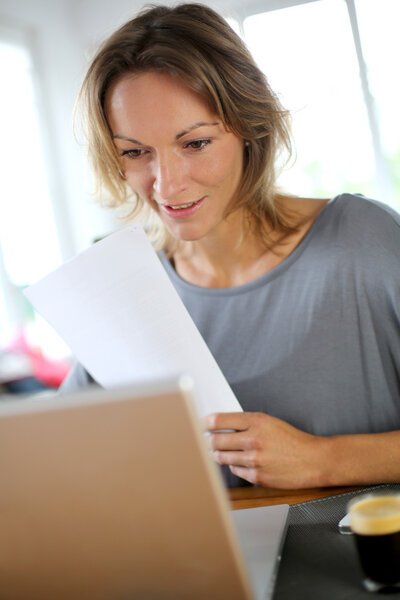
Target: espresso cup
x,y
375,522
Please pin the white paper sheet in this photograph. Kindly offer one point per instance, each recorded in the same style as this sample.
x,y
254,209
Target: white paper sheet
x,y
117,310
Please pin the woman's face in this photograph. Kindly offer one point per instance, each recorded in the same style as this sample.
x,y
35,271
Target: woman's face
x,y
175,152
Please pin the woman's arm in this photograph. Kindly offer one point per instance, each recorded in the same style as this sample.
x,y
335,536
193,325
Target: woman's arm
x,y
269,452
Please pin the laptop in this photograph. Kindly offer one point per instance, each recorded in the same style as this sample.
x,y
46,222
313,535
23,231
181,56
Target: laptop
x,y
112,495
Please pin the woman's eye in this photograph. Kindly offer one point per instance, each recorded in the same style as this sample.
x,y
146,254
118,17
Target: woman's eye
x,y
198,144
135,153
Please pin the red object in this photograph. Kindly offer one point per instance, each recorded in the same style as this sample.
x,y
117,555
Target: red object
x,y
49,372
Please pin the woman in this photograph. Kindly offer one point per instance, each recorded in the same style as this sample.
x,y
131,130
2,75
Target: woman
x,y
297,298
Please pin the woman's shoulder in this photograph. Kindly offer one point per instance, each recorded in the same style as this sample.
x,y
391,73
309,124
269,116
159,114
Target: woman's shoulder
x,y
349,210
360,208
368,230
347,219
363,220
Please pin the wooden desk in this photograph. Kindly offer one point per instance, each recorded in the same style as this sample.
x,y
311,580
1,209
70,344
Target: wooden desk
x,y
250,497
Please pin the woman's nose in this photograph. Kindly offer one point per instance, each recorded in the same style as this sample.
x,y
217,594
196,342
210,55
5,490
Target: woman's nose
x,y
168,177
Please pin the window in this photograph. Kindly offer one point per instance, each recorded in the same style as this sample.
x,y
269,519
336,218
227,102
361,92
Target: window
x,y
330,63
28,240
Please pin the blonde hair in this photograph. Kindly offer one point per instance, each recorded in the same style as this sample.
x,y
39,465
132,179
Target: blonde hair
x,y
215,64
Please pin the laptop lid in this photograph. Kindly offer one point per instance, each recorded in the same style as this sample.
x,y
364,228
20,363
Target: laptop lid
x,y
112,495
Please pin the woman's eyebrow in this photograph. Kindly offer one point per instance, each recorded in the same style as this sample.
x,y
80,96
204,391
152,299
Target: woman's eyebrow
x,y
195,126
119,136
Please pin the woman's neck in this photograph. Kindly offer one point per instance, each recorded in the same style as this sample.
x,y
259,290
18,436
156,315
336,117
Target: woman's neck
x,y
222,258
234,254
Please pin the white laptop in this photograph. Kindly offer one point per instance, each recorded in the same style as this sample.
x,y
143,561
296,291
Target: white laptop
x,y
113,496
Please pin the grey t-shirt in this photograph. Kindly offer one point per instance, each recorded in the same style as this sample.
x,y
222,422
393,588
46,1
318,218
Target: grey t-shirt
x,y
315,341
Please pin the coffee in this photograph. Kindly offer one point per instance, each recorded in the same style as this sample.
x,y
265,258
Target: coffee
x,y
375,521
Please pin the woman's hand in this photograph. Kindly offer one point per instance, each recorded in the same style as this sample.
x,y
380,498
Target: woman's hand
x,y
265,450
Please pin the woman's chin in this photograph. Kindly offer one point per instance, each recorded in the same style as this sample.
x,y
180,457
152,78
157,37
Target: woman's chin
x,y
185,233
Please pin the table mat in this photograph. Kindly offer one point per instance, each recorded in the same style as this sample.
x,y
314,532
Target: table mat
x,y
319,563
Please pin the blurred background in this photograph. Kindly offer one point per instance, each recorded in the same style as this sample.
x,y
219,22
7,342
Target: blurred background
x,y
334,64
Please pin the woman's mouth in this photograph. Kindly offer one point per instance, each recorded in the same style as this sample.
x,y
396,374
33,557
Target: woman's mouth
x,y
178,211
181,206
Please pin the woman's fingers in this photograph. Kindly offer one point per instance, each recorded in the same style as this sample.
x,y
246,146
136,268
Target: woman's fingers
x,y
238,421
231,441
229,431
264,450
249,459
